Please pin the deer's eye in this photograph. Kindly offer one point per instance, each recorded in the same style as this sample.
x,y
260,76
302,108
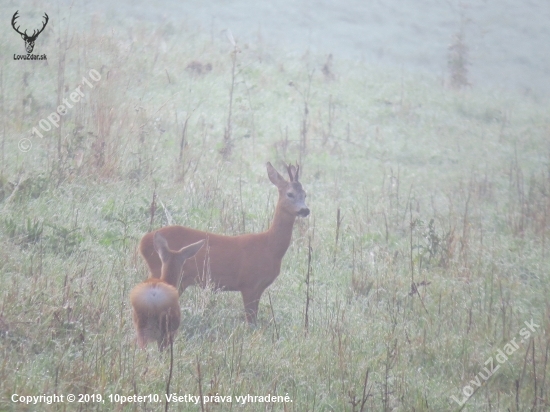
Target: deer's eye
x,y
291,195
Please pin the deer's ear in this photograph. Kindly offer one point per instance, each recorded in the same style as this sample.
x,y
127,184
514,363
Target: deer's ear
x,y
23,36
161,246
189,251
274,176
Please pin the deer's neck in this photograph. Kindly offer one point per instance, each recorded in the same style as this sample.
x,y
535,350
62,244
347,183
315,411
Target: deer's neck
x,y
280,231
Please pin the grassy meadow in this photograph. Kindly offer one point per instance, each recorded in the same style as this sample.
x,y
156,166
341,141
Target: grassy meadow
x,y
425,253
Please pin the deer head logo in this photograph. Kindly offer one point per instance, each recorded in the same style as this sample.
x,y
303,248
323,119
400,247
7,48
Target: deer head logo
x,y
29,40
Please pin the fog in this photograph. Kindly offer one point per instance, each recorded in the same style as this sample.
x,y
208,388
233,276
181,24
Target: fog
x,y
507,40
416,267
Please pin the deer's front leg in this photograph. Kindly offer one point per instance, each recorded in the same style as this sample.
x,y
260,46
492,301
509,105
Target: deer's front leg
x,y
251,299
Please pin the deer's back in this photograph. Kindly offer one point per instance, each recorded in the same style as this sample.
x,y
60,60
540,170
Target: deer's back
x,y
230,262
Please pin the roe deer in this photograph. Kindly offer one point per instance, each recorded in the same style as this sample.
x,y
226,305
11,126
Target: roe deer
x,y
155,303
246,263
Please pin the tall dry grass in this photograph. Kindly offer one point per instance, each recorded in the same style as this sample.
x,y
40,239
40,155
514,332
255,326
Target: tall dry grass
x,y
425,253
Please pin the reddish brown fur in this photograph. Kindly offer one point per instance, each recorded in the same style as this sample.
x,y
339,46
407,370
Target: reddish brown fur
x,y
247,263
155,302
155,322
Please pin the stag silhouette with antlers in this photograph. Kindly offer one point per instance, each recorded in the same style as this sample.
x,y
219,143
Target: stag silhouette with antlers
x,y
29,40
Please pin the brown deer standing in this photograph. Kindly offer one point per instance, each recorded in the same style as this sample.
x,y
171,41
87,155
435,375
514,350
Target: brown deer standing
x,y
247,263
155,303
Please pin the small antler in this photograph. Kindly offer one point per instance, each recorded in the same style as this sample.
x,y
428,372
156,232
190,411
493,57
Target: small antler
x,y
293,172
297,174
290,172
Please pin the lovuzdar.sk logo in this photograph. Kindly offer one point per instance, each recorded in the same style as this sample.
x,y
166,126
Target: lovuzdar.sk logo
x,y
29,40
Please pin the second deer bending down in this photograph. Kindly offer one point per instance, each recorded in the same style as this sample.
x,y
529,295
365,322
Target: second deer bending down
x,y
247,263
155,303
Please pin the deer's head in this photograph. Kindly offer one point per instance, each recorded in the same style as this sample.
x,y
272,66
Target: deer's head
x,y
292,197
29,40
172,261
